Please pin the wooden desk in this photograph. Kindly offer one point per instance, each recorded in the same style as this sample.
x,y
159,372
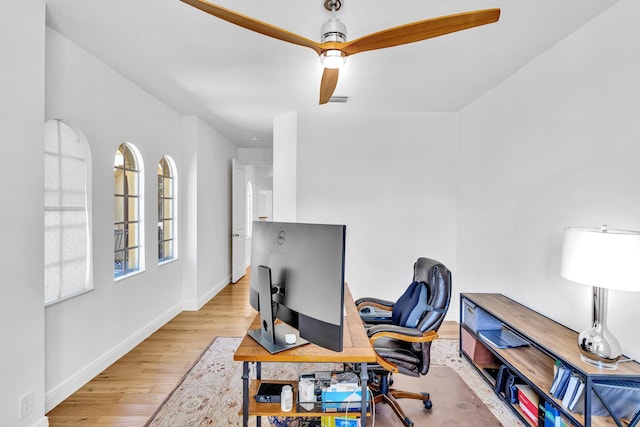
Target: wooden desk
x,y
356,349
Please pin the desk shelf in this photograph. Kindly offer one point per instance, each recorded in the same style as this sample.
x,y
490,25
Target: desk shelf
x,y
534,364
273,409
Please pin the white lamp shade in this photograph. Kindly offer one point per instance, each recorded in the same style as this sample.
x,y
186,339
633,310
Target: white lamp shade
x,y
606,259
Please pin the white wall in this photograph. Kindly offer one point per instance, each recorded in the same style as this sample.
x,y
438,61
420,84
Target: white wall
x,y
555,145
391,178
21,169
208,197
87,333
285,139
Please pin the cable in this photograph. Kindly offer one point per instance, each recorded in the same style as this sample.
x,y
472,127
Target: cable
x,y
373,408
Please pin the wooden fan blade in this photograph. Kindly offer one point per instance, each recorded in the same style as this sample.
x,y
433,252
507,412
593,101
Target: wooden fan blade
x,y
253,24
328,84
421,30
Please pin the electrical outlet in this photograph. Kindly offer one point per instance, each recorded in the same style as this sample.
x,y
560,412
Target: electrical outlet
x,y
26,405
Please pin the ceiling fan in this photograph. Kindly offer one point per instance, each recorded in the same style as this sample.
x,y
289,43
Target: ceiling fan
x,y
334,47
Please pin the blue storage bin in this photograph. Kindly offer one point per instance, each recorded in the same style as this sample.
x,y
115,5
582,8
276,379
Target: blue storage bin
x,y
477,319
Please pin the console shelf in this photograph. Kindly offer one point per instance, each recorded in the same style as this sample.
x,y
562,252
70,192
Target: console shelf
x,y
533,365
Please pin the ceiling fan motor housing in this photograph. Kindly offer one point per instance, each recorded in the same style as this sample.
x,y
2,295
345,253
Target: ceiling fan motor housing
x,y
334,31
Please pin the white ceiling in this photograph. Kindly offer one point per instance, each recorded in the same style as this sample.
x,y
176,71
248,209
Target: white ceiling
x,y
238,81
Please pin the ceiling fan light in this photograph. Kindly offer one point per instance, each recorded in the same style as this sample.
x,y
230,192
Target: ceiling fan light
x,y
333,58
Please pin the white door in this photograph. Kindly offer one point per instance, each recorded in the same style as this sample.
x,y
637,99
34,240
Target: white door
x,y
238,223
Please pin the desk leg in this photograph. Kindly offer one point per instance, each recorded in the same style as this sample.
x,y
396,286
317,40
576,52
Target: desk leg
x,y
258,377
245,394
364,380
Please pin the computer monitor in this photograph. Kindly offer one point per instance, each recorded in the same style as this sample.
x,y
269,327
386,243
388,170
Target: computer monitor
x,y
297,276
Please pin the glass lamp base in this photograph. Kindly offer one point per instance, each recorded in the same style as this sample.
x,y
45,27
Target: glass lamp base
x,y
599,363
599,348
597,345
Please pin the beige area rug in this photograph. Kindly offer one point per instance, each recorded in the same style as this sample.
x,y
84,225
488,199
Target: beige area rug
x,y
211,392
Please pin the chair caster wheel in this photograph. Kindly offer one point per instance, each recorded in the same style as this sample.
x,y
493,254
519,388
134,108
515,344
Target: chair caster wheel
x,y
428,404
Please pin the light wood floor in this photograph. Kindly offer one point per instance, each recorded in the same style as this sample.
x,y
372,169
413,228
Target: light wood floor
x,y
129,391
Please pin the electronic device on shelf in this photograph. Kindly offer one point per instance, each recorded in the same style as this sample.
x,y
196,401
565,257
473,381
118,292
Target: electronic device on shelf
x,y
297,276
503,338
269,392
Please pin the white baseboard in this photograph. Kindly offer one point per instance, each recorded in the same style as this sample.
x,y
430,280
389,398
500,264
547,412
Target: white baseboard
x,y
66,388
197,304
43,422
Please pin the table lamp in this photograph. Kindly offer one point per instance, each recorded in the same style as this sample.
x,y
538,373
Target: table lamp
x,y
605,259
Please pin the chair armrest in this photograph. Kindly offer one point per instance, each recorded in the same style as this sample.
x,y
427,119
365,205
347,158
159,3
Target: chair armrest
x,y
400,333
374,302
397,333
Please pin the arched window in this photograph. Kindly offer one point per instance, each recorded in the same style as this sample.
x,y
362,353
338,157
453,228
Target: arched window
x,y
128,226
167,210
67,203
249,216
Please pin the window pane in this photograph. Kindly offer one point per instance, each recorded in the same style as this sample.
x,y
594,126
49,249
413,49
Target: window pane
x,y
132,260
131,235
168,229
167,248
129,159
168,187
52,246
119,252
166,209
131,182
161,213
71,145
118,212
73,175
118,181
160,186
75,270
51,172
163,167
75,199
132,209
70,249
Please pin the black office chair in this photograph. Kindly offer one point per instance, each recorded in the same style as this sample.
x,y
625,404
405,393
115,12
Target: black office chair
x,y
401,332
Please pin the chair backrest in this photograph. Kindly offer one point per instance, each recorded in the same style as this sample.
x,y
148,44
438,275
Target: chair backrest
x,y
437,278
411,306
425,302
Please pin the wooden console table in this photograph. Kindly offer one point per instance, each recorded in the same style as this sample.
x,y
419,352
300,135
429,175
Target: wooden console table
x,y
549,342
356,349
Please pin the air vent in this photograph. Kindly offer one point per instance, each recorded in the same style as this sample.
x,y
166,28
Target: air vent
x,y
339,99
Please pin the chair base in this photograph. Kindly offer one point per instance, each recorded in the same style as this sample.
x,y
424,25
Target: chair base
x,y
383,394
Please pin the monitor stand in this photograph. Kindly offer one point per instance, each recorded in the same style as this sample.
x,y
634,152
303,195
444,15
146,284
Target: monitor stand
x,y
271,335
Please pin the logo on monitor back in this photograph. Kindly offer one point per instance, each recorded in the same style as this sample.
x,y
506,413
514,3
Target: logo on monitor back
x,y
281,237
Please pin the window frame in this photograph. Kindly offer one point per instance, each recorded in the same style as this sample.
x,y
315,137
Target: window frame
x,y
171,175
135,170
86,209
